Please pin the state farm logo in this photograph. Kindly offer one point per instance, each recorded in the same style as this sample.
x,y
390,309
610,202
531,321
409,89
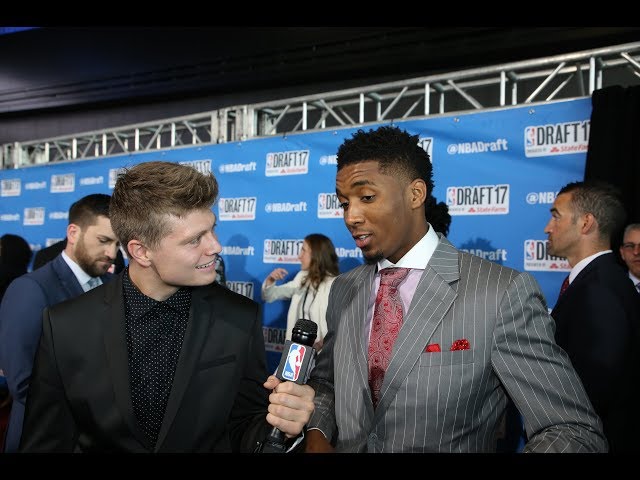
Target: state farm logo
x,y
556,138
293,162
33,216
536,258
237,209
203,166
63,183
478,200
243,288
282,250
329,206
10,187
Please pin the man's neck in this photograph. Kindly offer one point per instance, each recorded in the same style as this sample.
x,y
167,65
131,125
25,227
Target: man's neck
x,y
148,282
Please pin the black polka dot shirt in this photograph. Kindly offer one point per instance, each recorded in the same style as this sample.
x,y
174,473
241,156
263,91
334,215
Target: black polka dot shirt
x,y
155,331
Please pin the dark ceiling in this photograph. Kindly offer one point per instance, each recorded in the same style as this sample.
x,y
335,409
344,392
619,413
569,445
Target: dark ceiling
x,y
46,71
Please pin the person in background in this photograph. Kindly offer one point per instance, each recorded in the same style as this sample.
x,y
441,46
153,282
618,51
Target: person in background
x,y
597,314
15,255
82,265
45,255
309,289
162,359
471,334
630,252
221,276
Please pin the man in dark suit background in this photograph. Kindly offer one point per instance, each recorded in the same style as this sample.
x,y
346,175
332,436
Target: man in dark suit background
x,y
630,252
162,359
45,255
89,253
598,314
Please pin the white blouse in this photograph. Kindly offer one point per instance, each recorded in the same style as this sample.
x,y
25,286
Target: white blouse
x,y
306,302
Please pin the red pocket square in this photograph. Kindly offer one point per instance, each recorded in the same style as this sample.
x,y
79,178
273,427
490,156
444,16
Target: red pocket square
x,y
433,347
461,344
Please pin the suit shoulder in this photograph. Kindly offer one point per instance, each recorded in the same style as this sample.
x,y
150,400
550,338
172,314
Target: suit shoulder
x,y
218,292
480,267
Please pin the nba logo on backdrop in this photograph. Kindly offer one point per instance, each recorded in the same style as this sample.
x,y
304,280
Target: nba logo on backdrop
x,y
530,250
292,367
537,258
451,195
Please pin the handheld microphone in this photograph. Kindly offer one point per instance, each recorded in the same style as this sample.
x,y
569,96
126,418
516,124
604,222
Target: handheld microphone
x,y
298,359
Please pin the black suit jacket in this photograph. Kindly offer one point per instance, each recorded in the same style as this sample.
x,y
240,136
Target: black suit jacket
x,y
80,398
597,324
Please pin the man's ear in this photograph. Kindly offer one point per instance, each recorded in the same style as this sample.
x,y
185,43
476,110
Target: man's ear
x,y
589,223
418,193
73,233
138,252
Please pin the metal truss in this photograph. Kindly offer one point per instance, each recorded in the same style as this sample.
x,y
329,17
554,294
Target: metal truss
x,y
518,83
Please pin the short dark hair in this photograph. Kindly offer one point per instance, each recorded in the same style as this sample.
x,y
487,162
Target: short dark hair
x,y
394,149
85,211
600,199
15,251
148,193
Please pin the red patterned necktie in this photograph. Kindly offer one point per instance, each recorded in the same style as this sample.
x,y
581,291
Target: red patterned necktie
x,y
564,286
387,320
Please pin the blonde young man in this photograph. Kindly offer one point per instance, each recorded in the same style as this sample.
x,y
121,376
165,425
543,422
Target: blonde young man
x,y
162,359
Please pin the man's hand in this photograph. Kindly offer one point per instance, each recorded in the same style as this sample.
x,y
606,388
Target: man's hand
x,y
316,442
290,407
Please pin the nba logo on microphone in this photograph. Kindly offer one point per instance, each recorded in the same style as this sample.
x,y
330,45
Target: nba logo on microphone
x,y
291,370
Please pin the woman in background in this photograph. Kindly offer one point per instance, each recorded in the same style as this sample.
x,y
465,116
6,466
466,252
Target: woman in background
x,y
15,255
309,289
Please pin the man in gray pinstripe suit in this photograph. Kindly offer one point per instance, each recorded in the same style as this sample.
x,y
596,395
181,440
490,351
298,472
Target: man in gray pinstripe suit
x,y
475,334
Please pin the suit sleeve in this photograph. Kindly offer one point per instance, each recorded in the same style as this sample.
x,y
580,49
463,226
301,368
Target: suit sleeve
x,y
247,422
598,347
20,329
323,417
539,377
281,292
48,424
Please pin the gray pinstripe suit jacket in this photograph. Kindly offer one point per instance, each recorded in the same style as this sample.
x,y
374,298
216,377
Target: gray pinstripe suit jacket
x,y
451,401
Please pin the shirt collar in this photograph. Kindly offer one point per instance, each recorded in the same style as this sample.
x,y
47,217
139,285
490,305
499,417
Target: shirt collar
x,y
419,255
82,276
139,304
583,263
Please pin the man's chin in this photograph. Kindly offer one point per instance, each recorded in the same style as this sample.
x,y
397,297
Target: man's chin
x,y
372,258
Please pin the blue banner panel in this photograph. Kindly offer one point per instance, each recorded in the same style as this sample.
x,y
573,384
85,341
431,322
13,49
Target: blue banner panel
x,y
499,171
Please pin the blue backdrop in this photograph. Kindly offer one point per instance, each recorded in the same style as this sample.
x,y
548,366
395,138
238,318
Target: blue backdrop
x,y
498,171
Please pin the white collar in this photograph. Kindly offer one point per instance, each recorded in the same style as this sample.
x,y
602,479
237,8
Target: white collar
x,y
419,255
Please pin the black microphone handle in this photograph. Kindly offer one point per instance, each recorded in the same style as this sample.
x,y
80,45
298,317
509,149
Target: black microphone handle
x,y
304,333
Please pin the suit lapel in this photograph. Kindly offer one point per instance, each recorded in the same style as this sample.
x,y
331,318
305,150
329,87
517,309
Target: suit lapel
x,y
356,310
115,340
68,280
432,300
200,318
